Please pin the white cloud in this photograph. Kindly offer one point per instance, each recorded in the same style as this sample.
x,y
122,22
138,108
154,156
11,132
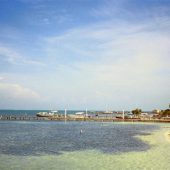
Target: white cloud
x,y
16,91
14,57
111,43
110,9
124,60
1,78
16,96
119,62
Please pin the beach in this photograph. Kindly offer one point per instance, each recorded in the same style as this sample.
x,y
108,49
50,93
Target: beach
x,y
167,136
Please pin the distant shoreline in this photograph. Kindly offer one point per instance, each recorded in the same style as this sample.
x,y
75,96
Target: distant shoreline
x,y
62,118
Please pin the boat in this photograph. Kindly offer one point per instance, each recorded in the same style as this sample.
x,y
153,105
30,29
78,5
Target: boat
x,y
108,112
79,113
47,114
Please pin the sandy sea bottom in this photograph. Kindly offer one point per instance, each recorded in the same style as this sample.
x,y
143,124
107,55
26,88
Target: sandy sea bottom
x,y
155,158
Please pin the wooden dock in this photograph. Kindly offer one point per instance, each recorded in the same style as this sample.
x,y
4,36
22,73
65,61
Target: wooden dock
x,y
63,118
21,117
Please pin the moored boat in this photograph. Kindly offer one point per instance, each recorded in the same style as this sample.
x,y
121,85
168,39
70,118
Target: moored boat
x,y
46,114
79,113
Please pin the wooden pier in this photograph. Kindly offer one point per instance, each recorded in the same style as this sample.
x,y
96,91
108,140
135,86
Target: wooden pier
x,y
21,117
67,118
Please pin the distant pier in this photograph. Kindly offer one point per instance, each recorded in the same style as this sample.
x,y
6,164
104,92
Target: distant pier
x,y
18,117
67,118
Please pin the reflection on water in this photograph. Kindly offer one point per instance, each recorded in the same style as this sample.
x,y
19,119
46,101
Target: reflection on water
x,y
39,138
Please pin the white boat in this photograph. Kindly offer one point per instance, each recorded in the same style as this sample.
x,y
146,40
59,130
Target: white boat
x,y
79,113
46,114
108,112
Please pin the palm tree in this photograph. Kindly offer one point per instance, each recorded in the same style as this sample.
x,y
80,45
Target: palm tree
x,y
137,112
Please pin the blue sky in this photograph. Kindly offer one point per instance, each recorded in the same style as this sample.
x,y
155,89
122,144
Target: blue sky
x,y
77,54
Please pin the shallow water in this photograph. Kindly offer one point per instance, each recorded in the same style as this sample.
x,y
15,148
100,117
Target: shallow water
x,y
37,138
100,146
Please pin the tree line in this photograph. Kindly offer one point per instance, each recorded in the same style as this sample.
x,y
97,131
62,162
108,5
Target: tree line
x,y
163,113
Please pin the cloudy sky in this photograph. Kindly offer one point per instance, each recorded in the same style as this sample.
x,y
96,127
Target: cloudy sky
x,y
77,54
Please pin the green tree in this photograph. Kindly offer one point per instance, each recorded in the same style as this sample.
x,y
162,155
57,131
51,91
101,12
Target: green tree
x,y
137,112
165,113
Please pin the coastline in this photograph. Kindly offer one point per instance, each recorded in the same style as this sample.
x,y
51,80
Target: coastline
x,y
68,118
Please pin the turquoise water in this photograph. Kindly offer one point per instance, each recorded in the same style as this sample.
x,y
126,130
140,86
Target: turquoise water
x,y
59,145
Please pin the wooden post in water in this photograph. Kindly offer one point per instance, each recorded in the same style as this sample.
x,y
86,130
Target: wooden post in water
x,y
86,112
65,114
123,115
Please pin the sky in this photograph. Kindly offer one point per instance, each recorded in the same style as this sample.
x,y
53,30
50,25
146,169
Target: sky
x,y
77,54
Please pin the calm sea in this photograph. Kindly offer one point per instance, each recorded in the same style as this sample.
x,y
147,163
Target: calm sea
x,y
26,145
38,138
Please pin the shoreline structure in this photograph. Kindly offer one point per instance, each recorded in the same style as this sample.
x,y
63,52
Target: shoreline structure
x,y
69,118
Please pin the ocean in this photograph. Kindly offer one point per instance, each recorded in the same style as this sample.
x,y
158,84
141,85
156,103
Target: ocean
x,y
73,145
